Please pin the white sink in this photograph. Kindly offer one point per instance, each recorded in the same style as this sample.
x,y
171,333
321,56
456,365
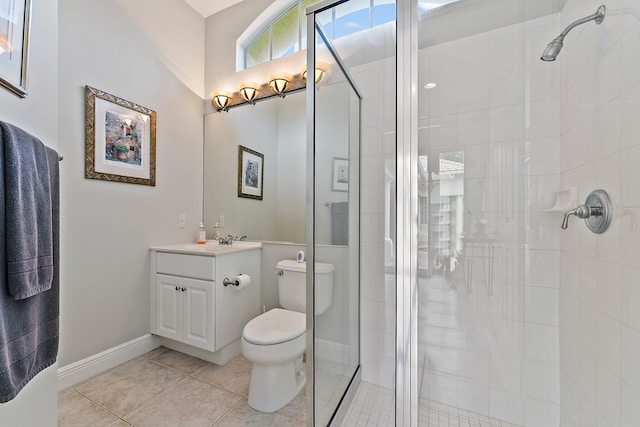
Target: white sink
x,y
212,247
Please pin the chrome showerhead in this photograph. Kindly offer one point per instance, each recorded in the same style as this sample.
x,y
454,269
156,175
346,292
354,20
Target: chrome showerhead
x,y
553,49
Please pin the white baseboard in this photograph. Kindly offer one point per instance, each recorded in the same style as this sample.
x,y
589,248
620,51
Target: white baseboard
x,y
86,368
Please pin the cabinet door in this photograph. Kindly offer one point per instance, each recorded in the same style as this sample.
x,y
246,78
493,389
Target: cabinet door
x,y
198,306
169,306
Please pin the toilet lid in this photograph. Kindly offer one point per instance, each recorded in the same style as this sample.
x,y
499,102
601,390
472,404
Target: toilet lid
x,y
275,326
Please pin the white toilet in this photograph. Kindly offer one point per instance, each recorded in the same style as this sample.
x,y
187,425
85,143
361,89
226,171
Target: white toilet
x,y
275,341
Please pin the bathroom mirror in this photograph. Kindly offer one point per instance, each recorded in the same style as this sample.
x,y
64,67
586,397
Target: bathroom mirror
x,y
276,128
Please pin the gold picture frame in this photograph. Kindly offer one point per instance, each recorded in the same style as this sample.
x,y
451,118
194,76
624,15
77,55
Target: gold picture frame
x,y
15,23
250,173
120,140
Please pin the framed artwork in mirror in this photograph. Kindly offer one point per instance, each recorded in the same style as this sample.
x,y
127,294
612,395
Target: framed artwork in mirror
x,y
250,173
120,139
15,17
340,174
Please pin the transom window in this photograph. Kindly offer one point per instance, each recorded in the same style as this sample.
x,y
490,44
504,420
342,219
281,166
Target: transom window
x,y
285,34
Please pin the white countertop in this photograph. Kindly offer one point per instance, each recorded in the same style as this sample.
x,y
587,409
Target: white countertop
x,y
211,248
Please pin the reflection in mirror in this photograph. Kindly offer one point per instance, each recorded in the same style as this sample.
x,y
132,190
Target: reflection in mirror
x,y
274,128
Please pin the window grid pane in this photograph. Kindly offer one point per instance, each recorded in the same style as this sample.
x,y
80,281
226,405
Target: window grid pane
x,y
285,34
258,52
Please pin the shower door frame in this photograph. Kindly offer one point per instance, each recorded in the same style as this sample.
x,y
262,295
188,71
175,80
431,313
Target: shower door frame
x,y
406,213
311,12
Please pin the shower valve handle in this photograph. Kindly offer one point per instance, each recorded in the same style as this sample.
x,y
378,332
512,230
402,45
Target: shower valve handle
x,y
596,211
582,211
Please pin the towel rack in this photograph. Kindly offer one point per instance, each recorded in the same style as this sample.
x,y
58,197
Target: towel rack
x,y
60,158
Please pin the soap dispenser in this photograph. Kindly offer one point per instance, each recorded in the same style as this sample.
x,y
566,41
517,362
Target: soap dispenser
x,y
202,235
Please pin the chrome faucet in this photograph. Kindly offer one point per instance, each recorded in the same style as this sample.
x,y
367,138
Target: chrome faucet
x,y
230,239
596,211
225,240
582,211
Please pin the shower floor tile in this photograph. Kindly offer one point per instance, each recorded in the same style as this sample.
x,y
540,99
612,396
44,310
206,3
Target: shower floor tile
x,y
373,406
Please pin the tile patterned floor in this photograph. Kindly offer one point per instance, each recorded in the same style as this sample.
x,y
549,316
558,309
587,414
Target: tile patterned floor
x,y
167,388
373,406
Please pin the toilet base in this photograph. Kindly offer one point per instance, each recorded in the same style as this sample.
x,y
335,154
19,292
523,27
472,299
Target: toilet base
x,y
273,386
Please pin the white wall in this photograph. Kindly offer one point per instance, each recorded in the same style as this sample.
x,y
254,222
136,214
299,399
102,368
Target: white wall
x,y
152,56
600,275
37,114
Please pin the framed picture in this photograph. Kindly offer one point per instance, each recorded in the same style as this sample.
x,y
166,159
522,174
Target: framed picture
x,y
120,140
340,174
250,173
15,16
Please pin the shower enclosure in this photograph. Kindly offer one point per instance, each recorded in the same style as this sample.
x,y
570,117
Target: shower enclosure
x,y
488,310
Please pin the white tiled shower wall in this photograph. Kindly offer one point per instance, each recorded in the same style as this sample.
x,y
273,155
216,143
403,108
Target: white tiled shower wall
x,y
600,274
493,348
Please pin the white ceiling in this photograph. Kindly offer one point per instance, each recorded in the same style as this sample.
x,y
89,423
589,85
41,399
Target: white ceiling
x,y
207,8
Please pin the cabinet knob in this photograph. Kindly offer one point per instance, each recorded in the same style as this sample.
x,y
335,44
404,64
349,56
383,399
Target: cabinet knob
x,y
177,288
184,289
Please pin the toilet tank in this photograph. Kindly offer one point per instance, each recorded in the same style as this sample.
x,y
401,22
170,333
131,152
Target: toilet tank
x,y
292,285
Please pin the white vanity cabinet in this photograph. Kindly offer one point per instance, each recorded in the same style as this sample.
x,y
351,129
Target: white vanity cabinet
x,y
190,304
184,310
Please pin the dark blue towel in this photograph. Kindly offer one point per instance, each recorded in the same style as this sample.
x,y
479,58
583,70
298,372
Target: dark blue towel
x,y
340,223
27,191
28,327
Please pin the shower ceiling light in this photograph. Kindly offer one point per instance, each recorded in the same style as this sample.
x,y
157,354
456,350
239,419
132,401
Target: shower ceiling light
x,y
430,85
249,91
220,100
278,83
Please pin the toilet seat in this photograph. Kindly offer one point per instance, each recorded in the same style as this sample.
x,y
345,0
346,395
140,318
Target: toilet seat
x,y
275,327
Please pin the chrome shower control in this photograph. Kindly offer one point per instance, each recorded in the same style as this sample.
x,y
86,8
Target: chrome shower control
x,y
596,212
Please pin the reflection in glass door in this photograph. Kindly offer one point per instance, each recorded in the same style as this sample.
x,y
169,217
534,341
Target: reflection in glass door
x,y
488,336
334,233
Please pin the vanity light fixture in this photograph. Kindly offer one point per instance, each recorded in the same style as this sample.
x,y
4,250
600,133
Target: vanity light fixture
x,y
220,100
249,91
321,69
278,83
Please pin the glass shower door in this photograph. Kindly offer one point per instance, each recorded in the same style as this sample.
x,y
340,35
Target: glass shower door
x,y
487,276
334,135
